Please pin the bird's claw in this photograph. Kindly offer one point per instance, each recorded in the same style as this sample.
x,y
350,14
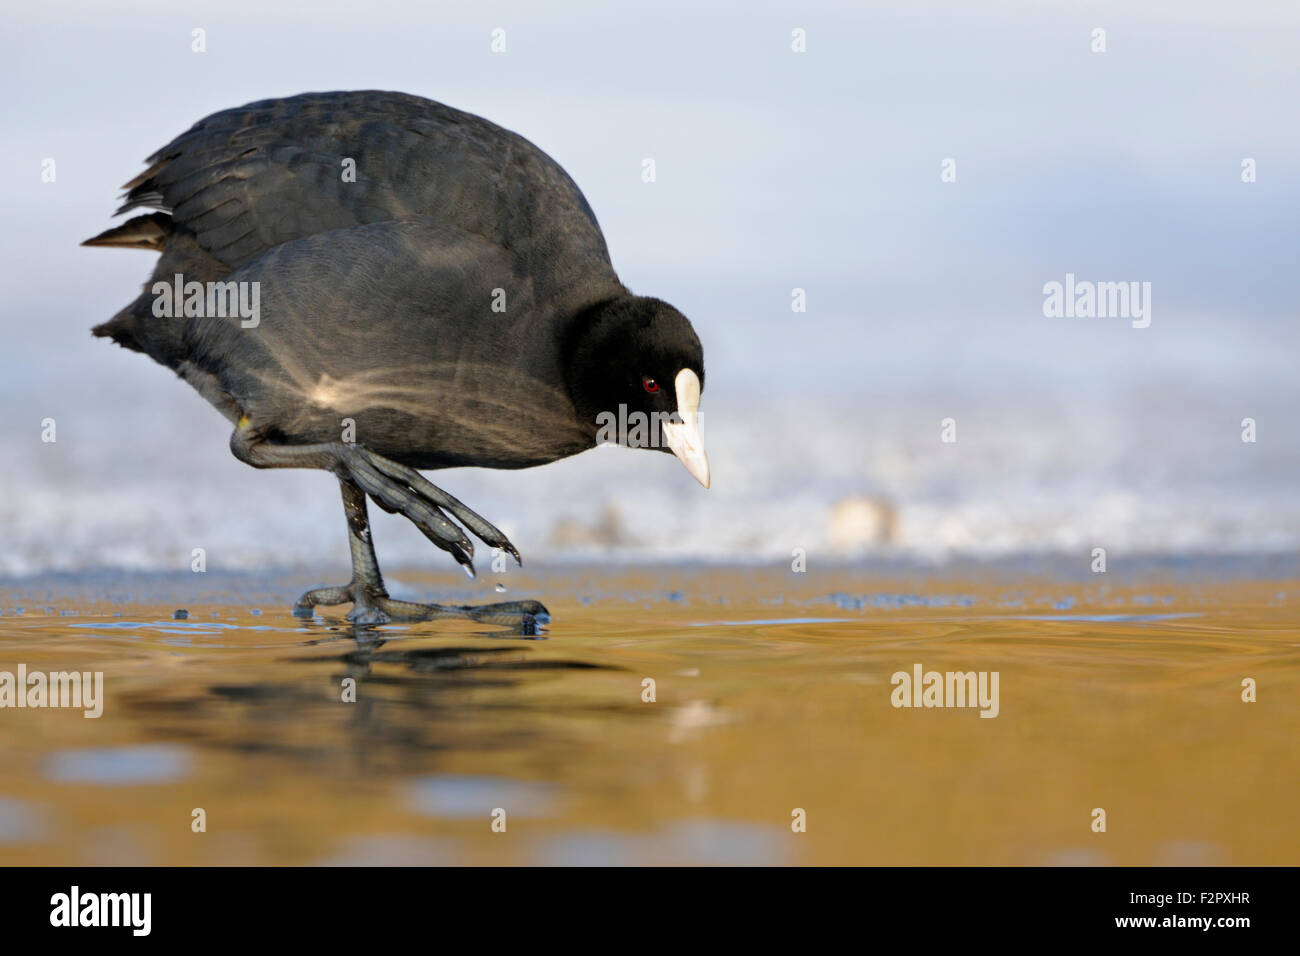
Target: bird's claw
x,y
401,490
441,501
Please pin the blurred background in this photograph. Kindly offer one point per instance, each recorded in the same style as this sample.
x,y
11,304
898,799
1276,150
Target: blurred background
x,y
776,171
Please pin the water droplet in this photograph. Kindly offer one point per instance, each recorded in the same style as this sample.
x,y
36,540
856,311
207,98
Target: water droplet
x,y
256,612
501,589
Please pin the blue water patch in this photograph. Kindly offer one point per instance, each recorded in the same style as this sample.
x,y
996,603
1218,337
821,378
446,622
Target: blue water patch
x,y
20,822
188,628
852,602
1075,857
396,850
448,795
119,766
688,842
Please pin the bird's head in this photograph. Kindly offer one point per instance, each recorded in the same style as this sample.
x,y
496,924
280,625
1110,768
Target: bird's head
x,y
635,371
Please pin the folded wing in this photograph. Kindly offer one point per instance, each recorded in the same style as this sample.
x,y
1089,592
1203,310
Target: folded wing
x,y
248,179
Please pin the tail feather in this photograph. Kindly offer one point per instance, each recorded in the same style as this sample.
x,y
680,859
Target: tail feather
x,y
142,232
121,328
145,176
136,326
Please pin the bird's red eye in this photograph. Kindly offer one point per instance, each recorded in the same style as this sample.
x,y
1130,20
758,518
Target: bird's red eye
x,y
650,384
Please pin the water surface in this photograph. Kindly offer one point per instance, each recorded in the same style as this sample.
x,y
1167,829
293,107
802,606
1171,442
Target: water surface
x,y
772,695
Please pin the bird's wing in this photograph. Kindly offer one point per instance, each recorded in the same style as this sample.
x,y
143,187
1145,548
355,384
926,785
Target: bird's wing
x,y
394,326
249,179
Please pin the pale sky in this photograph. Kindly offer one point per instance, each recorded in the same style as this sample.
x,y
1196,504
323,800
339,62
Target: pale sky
x,y
776,170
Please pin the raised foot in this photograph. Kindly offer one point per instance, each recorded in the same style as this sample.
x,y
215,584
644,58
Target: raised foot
x,y
370,610
402,490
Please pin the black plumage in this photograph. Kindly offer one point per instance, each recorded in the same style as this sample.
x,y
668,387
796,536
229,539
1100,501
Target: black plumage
x,y
431,289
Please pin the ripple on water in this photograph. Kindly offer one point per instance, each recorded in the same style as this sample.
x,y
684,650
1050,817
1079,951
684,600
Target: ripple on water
x,y
182,627
1096,618
858,602
774,622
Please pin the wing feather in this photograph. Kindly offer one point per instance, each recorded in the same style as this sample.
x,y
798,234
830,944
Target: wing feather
x,y
246,180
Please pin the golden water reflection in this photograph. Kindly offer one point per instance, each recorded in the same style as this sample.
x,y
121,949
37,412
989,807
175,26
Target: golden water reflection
x,y
772,692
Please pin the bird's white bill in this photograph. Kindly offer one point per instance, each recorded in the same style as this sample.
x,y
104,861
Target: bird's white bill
x,y
684,439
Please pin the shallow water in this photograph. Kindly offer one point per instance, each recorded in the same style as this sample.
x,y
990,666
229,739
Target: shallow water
x,y
772,692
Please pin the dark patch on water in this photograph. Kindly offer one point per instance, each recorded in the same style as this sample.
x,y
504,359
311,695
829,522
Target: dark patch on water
x,y
442,659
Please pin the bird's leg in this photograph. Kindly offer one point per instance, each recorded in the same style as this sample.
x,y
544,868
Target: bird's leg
x,y
366,588
371,604
397,489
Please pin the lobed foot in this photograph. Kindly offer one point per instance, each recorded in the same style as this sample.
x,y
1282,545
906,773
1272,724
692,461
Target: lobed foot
x,y
372,609
402,490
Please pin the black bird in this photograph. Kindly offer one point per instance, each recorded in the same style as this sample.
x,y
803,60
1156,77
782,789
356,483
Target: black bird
x,y
373,283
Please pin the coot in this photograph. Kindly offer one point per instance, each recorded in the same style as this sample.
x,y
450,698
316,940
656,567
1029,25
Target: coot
x,y
373,283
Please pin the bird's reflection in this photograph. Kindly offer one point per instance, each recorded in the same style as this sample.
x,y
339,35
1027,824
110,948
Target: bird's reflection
x,y
405,700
